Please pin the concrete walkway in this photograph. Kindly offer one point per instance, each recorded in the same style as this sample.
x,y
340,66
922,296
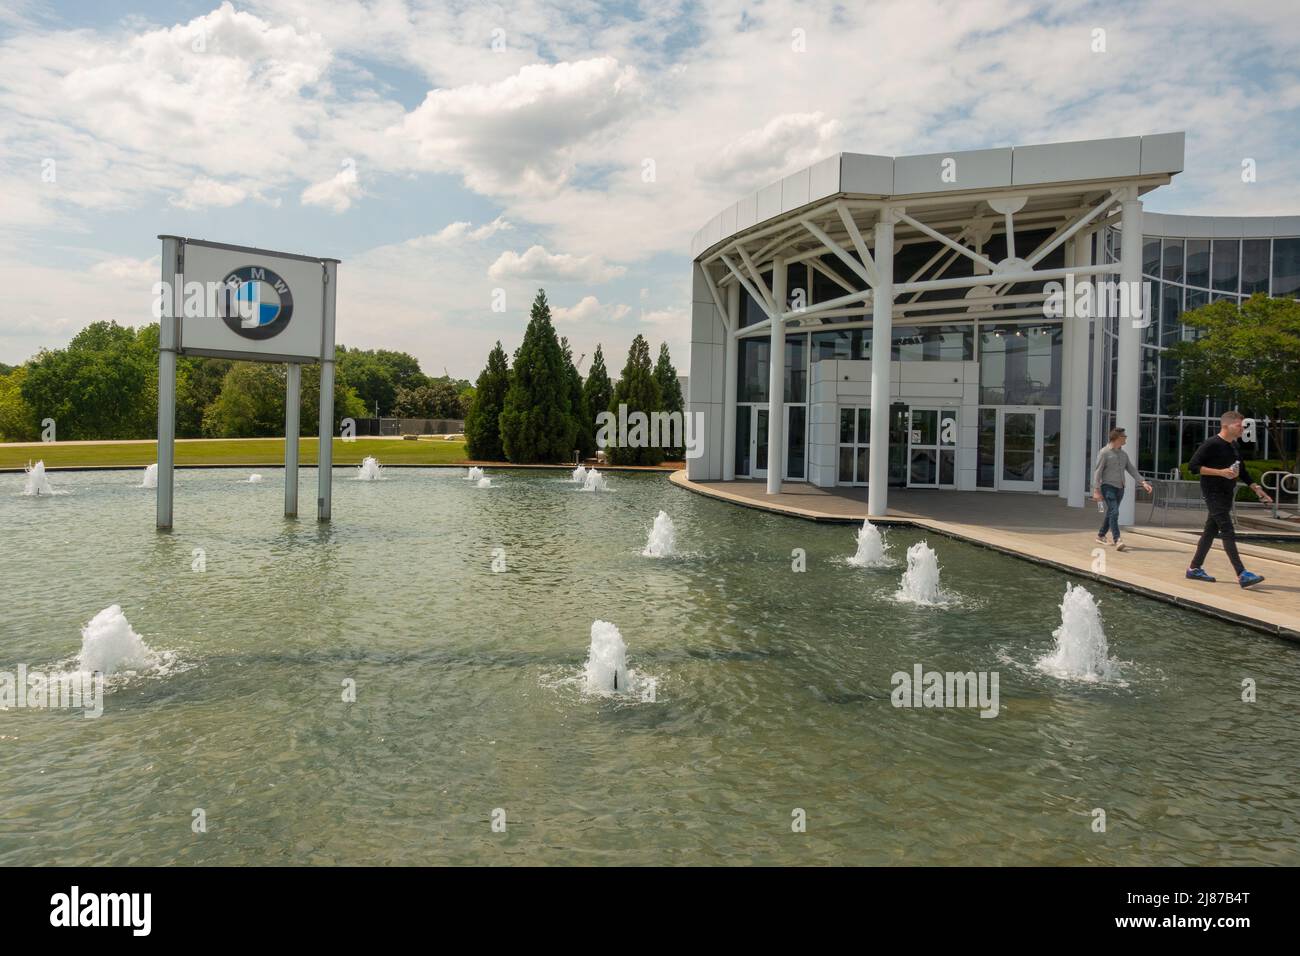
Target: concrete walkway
x,y
1043,529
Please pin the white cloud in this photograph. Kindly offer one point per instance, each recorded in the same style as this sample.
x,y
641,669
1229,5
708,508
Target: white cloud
x,y
205,192
522,135
338,192
455,232
758,157
537,263
140,271
589,309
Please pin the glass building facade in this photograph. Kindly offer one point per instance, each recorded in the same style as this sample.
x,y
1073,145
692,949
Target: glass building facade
x,y
1186,272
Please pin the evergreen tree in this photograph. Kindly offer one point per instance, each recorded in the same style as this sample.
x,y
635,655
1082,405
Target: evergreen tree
x,y
596,393
638,390
585,441
482,428
670,393
537,420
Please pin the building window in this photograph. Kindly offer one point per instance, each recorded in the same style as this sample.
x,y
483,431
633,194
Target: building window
x,y
1173,261
933,343
796,368
1151,256
1020,364
753,375
1198,262
1226,264
848,344
987,447
1254,266
1286,267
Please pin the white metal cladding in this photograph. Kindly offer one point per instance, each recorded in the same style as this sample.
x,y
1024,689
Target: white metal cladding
x,y
886,177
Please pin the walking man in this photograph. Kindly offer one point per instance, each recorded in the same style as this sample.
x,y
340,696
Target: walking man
x,y
1108,483
1219,463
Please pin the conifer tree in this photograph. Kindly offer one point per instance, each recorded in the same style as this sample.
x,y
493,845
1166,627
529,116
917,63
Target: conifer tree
x,y
537,420
670,393
584,441
482,429
596,393
638,390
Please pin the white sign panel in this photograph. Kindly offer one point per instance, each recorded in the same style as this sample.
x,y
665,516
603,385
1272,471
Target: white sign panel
x,y
254,304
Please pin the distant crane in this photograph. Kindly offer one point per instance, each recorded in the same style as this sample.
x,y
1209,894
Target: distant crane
x,y
578,364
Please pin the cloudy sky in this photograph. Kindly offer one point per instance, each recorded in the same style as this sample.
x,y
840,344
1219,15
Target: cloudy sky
x,y
443,150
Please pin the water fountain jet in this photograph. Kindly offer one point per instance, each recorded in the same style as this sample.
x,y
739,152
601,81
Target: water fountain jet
x,y
150,479
369,470
37,483
920,583
606,668
662,542
595,481
871,547
1081,651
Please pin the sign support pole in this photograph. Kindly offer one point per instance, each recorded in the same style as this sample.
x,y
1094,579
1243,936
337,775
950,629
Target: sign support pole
x,y
292,391
173,278
325,453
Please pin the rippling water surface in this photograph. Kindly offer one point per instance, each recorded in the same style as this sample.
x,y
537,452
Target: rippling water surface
x,y
772,690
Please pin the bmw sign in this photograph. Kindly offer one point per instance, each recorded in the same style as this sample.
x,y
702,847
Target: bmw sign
x,y
261,302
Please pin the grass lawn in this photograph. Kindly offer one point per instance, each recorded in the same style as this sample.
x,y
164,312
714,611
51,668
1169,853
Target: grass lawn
x,y
235,451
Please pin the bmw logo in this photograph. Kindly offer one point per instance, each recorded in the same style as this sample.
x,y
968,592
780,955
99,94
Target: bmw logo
x,y
260,303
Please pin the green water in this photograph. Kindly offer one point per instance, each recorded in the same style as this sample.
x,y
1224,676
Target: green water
x,y
772,691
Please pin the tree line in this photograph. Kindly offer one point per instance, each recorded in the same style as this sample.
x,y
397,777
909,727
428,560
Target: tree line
x,y
104,385
538,408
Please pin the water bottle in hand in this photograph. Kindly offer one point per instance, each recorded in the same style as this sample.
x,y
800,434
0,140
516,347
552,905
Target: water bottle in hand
x,y
1236,468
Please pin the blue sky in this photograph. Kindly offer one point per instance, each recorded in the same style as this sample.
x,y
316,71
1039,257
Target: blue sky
x,y
447,150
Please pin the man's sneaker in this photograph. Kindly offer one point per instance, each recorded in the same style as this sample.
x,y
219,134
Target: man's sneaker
x,y
1101,540
1198,574
1120,546
1248,579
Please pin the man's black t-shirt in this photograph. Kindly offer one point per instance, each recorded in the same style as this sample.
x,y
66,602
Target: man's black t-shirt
x,y
1217,453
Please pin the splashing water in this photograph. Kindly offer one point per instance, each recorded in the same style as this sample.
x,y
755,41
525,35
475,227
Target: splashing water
x,y
871,547
580,474
254,479
662,542
606,670
595,481
369,470
474,474
484,483
920,583
1081,651
109,645
37,483
150,479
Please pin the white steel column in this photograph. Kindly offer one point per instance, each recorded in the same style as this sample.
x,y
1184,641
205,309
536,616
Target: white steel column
x,y
776,382
292,407
168,341
1069,345
731,353
1129,344
325,453
882,308
1100,370
1075,399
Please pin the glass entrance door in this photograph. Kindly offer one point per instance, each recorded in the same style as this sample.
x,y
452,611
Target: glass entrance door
x,y
932,448
1020,449
759,458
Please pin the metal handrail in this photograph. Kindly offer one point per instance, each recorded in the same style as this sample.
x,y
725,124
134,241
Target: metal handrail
x,y
1163,496
1278,487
